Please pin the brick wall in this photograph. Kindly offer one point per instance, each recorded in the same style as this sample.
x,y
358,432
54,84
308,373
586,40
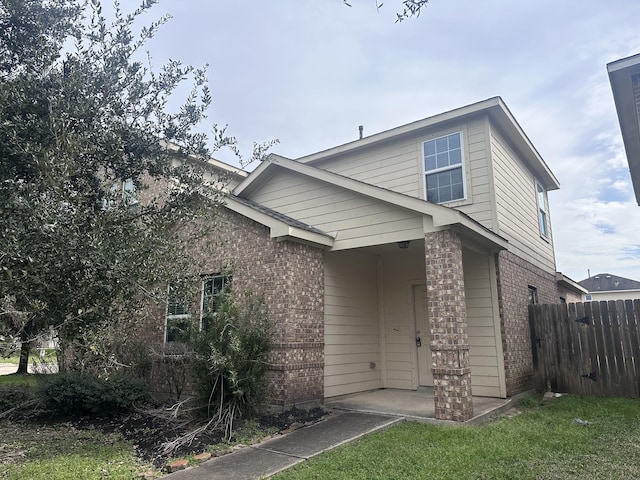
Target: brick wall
x,y
515,275
448,326
290,276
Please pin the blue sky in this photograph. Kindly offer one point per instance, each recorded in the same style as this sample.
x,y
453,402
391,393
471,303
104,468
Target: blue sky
x,y
308,72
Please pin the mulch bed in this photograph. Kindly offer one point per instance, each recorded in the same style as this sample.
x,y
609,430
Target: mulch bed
x,y
148,431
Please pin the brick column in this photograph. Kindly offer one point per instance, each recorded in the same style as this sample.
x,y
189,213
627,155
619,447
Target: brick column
x,y
448,326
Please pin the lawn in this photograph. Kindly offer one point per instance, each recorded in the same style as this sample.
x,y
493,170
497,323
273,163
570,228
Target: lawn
x,y
544,442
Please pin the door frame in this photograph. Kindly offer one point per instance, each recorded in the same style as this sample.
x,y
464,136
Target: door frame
x,y
414,349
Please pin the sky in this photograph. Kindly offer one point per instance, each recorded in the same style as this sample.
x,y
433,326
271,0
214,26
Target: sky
x,y
308,72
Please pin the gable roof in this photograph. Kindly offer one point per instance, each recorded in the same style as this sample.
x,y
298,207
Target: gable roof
x,y
624,77
442,216
494,107
280,226
605,282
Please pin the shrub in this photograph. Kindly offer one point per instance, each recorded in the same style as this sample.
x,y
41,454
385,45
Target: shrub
x,y
231,357
77,393
15,395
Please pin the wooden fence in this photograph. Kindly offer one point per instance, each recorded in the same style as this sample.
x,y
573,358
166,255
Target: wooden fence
x,y
590,348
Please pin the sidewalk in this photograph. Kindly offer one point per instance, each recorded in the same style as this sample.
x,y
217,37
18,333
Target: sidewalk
x,y
273,456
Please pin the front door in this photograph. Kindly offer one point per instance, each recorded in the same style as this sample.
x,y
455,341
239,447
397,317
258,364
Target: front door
x,y
423,336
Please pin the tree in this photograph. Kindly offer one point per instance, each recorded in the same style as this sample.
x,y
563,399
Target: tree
x,y
84,127
410,8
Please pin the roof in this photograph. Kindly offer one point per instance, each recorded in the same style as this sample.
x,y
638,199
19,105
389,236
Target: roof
x,y
498,112
605,282
280,226
624,76
292,222
569,283
442,216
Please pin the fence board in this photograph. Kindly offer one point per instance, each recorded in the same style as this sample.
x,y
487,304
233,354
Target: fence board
x,y
589,348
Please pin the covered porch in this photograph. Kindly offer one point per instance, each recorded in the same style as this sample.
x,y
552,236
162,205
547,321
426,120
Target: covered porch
x,y
414,404
417,323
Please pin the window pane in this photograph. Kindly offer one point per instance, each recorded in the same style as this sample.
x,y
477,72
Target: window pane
x,y
455,157
543,223
177,329
443,160
442,145
429,148
445,186
430,163
454,140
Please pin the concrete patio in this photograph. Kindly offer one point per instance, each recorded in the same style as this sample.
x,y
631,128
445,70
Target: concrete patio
x,y
413,404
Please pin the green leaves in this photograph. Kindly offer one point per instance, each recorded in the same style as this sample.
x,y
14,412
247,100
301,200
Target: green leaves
x,y
76,127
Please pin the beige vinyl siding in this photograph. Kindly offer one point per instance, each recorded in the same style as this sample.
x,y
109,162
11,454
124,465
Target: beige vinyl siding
x,y
517,207
353,220
401,270
393,166
351,333
484,335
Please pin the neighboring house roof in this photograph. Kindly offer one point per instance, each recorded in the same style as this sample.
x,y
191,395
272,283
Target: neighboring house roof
x,y
570,283
605,282
442,216
281,226
494,107
624,76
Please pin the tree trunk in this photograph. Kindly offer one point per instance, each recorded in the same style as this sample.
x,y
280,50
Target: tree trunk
x,y
24,354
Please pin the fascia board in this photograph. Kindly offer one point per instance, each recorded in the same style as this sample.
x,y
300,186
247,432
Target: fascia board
x,y
403,130
620,73
568,282
503,117
442,216
251,179
277,229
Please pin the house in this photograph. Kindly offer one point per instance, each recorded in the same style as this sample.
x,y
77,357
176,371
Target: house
x,y
624,76
604,287
400,260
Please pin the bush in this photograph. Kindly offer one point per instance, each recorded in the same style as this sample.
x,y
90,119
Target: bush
x,y
231,359
15,395
77,393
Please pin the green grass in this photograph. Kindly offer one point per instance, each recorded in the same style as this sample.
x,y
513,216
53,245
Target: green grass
x,y
62,452
541,443
50,357
15,379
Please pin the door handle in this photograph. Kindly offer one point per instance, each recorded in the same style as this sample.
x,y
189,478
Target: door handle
x,y
418,342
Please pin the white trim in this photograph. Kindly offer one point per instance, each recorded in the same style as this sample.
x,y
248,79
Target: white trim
x,y
462,166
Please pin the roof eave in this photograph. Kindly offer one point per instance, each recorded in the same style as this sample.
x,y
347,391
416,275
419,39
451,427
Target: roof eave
x,y
620,73
278,229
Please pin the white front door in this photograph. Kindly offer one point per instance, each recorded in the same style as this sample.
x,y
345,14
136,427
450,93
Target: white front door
x,y
423,336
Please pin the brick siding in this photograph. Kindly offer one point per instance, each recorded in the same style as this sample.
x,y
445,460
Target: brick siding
x,y
515,275
448,326
290,276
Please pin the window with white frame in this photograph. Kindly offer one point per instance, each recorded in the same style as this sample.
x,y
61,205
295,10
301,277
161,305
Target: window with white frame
x,y
178,319
543,215
444,168
213,287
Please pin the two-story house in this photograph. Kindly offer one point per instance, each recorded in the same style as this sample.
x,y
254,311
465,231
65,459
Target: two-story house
x,y
403,259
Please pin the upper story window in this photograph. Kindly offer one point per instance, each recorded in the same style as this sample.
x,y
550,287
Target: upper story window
x,y
444,168
542,210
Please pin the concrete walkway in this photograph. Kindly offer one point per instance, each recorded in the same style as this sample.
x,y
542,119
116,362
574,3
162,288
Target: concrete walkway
x,y
275,455
353,416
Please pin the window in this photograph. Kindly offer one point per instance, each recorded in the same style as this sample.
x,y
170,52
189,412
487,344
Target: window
x,y
212,288
588,298
178,320
542,210
533,295
444,168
